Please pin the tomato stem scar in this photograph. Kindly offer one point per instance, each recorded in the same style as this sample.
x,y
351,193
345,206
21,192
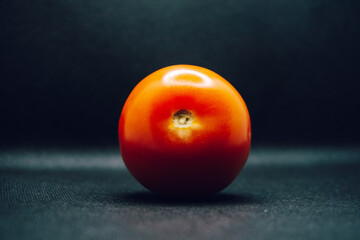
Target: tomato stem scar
x,y
183,118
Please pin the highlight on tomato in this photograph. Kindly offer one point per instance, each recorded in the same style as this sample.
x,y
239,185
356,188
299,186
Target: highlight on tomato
x,y
184,131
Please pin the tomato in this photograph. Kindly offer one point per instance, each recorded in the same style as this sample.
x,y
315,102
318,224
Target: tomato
x,y
184,130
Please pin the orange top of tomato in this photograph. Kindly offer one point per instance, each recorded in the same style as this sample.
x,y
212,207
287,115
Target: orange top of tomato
x,y
188,120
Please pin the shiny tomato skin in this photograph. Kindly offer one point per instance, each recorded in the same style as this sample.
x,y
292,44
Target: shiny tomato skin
x,y
171,159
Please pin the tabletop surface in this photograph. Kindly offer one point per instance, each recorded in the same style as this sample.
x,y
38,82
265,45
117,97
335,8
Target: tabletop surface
x,y
282,193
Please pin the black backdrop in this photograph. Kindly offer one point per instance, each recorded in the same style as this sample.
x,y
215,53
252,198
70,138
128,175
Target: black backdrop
x,y
68,66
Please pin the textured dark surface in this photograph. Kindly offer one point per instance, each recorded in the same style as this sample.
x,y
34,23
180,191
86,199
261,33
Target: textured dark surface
x,y
281,194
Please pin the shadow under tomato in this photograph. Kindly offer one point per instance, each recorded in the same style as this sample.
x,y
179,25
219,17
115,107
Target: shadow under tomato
x,y
149,198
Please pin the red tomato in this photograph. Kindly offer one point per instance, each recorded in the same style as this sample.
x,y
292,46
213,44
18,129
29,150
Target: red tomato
x,y
184,130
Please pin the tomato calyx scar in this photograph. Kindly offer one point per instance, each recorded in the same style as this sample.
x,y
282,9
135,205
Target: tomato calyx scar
x,y
183,118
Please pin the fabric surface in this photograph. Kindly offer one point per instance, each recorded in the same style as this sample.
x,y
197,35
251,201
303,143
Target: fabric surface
x,y
280,194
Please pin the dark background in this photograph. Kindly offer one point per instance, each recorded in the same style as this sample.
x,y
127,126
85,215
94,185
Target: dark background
x,y
67,67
